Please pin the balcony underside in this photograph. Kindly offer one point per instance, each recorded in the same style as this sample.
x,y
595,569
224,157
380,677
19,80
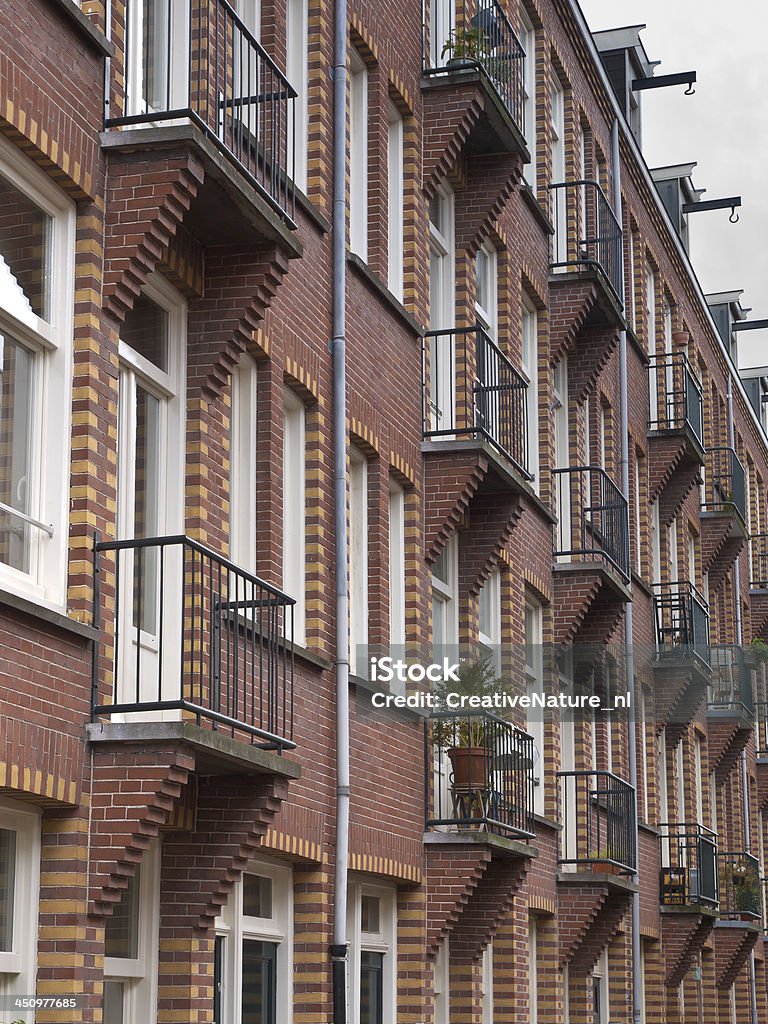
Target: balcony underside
x,y
595,905
582,298
733,942
680,687
723,537
729,729
228,207
589,601
675,458
684,932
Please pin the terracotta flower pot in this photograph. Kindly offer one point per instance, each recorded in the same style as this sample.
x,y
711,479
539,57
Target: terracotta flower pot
x,y
469,767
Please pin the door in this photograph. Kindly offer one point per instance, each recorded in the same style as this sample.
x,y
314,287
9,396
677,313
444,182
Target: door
x,y
562,458
442,342
443,19
492,414
650,320
663,794
246,87
562,195
156,65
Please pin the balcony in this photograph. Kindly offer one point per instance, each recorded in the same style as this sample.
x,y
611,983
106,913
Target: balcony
x,y
196,639
682,621
597,815
477,46
730,692
593,521
587,240
201,78
739,880
472,391
481,779
726,487
689,874
676,399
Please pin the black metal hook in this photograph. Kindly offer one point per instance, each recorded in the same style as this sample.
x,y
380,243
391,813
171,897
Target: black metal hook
x,y
690,90
734,218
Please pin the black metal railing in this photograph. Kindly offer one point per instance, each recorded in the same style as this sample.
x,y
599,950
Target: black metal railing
x,y
480,774
471,388
482,36
726,483
201,63
758,561
587,234
688,865
675,393
739,879
593,518
761,729
682,621
195,634
597,816
731,686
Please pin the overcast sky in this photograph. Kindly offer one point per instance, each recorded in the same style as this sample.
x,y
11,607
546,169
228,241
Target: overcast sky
x,y
723,127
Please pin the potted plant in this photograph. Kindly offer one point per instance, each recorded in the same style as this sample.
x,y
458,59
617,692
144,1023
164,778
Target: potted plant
x,y
758,650
463,735
463,45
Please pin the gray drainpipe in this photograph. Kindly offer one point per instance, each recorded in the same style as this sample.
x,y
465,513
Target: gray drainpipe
x,y
740,641
338,949
628,638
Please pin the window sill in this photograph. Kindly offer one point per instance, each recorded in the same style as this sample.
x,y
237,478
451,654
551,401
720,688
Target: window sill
x,y
373,279
47,614
94,35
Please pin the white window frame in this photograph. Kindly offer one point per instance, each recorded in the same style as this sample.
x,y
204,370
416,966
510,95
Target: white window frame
x,y
395,201
442,21
176,75
489,609
244,463
601,971
358,554
638,521
358,155
488,311
533,970
557,135
442,309
441,973
18,966
384,941
297,63
534,681
52,342
139,976
294,510
530,366
234,927
445,594
528,42
396,563
486,979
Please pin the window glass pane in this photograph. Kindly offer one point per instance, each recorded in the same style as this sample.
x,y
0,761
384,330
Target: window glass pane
x,y
440,566
121,931
259,982
24,255
17,416
145,330
481,268
371,987
7,885
257,896
146,508
369,914
113,1002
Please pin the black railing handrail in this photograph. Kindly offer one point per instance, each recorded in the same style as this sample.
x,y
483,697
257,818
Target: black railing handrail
x,y
681,405
487,399
601,247
597,535
603,825
686,828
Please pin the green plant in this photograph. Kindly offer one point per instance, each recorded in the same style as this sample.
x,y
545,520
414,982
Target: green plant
x,y
477,678
463,43
759,649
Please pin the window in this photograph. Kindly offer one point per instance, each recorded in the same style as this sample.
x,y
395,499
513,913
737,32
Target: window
x,y
486,289
37,245
638,467
442,983
294,512
487,984
244,462
396,563
296,69
358,156
600,990
19,897
557,134
131,946
442,21
358,554
395,202
254,953
490,616
528,41
630,290
644,717
372,960
531,371
533,972
442,299
445,604
534,680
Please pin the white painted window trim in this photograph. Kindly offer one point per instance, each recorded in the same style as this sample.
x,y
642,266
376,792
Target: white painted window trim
x,y
244,463
396,563
442,983
294,510
52,341
385,941
533,971
296,44
534,679
528,41
235,926
446,592
395,201
18,966
530,366
358,156
358,554
140,975
488,311
489,608
487,984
